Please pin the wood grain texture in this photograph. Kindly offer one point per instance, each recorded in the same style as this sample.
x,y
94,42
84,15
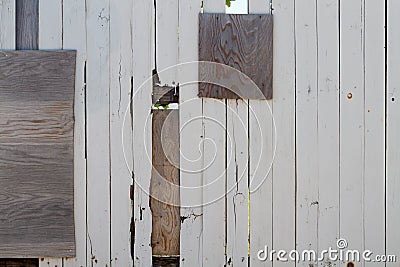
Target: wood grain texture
x,y
27,24
50,37
36,159
164,187
243,42
7,41
19,263
43,71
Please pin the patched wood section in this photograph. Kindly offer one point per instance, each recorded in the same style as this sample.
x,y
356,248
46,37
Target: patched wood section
x,y
36,153
243,42
164,188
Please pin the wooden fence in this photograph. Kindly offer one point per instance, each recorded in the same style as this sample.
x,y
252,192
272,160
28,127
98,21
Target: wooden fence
x,y
333,136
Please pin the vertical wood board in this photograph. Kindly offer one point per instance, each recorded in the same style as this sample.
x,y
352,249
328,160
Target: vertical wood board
x,y
27,24
352,139
191,145
392,132
328,125
261,153
164,188
121,72
237,191
74,36
143,53
98,133
307,197
284,180
374,131
50,37
214,170
7,22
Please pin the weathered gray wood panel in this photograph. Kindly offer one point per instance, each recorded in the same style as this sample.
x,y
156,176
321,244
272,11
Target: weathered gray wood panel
x,y
243,42
164,189
36,153
27,24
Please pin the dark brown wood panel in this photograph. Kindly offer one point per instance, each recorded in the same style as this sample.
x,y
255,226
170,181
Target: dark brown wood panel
x,y
164,188
243,42
19,263
36,154
27,24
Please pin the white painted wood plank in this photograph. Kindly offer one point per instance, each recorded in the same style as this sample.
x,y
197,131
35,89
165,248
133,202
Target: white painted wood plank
x,y
284,114
214,215
306,129
237,182
50,24
393,132
374,180
214,182
328,124
74,35
143,54
98,147
167,39
191,138
261,152
214,6
120,127
7,24
259,6
50,37
352,123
